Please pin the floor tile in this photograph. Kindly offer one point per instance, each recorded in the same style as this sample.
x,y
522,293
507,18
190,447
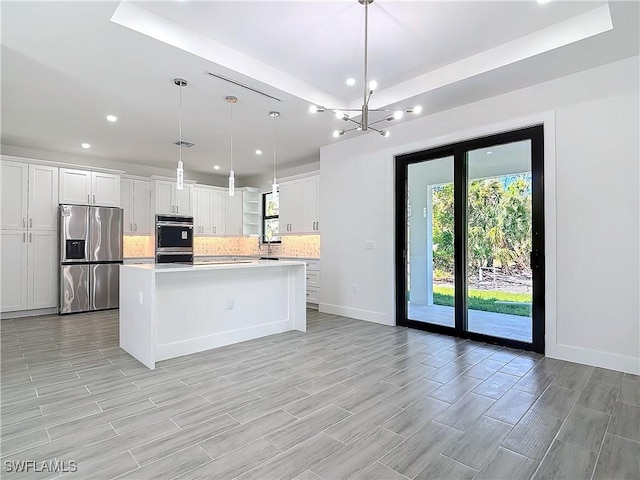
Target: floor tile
x,y
172,465
416,416
414,454
360,423
295,460
465,412
566,461
378,471
455,389
618,459
511,407
307,427
584,427
556,401
508,465
496,385
599,396
630,392
444,468
603,375
359,455
478,444
533,434
625,421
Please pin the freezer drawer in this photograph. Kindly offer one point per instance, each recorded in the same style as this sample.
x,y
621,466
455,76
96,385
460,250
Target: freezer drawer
x,y
104,286
74,288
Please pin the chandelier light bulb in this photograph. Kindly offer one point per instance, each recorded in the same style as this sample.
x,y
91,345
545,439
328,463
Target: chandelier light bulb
x,y
373,85
316,109
342,115
385,133
337,133
351,82
398,114
417,109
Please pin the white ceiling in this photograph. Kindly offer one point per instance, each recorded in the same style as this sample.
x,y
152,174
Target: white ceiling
x,y
66,65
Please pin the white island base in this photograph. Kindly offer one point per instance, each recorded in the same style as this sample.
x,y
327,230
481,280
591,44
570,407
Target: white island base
x,y
170,310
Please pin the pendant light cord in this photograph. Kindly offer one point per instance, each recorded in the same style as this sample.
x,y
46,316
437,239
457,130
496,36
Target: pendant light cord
x,y
180,123
366,24
274,148
231,104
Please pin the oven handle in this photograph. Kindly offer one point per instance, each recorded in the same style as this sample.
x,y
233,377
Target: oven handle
x,y
173,224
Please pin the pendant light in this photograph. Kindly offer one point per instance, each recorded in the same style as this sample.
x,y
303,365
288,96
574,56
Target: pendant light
x,y
274,185
232,181
180,82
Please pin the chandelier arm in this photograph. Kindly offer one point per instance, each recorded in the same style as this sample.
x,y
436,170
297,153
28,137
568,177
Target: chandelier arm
x,y
379,121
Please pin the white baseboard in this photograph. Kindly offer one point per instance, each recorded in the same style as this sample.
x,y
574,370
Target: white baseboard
x,y
594,358
29,313
194,345
358,314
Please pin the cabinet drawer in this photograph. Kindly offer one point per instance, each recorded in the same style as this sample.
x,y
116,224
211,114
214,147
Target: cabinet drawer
x,y
313,295
313,278
313,265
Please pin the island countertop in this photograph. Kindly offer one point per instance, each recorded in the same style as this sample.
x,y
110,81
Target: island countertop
x,y
213,265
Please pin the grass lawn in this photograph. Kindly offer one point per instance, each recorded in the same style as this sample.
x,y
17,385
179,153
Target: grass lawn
x,y
486,300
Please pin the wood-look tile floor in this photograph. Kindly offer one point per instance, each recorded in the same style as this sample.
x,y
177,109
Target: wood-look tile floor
x,y
348,399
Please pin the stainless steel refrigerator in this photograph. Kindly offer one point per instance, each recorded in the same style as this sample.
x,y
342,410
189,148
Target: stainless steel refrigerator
x,y
90,258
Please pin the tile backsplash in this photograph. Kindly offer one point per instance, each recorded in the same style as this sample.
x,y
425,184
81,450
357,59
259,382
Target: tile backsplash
x,y
307,246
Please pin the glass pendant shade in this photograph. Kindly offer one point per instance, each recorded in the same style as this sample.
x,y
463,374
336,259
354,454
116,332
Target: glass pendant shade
x,y
180,176
232,184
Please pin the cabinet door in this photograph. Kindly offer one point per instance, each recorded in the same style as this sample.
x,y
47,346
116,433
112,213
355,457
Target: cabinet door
x,y
233,223
285,199
311,204
184,200
141,216
126,202
13,256
105,189
297,201
14,195
205,211
42,269
75,187
218,212
164,196
43,198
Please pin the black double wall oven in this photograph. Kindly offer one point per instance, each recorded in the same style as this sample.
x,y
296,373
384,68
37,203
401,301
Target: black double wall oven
x,y
174,239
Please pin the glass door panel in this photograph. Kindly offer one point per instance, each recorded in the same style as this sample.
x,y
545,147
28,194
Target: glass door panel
x,y
430,262
499,241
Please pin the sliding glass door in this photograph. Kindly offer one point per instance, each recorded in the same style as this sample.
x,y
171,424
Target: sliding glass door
x,y
470,239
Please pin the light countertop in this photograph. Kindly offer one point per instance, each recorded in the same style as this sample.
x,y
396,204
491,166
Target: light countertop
x,y
214,265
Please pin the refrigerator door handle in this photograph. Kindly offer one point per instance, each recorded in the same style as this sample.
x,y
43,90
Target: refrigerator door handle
x,y
31,238
88,198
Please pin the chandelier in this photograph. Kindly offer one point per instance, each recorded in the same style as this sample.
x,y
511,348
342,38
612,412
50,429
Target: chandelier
x,y
369,88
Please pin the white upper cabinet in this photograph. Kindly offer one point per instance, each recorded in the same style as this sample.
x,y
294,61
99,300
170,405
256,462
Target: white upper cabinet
x,y
202,211
233,212
43,198
15,176
170,200
219,211
29,196
312,204
299,205
82,187
135,200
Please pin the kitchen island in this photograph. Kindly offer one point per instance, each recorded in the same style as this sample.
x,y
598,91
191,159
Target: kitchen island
x,y
170,310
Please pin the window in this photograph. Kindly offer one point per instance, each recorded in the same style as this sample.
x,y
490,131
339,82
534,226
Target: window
x,y
270,217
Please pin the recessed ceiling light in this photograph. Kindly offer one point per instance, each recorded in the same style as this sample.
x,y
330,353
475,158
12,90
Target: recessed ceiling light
x,y
489,152
542,2
216,167
351,82
112,118
258,152
86,145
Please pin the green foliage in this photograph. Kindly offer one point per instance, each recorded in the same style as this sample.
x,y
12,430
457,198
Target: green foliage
x,y
498,228
485,300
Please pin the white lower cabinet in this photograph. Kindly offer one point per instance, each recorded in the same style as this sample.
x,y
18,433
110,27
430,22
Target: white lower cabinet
x,y
29,270
14,270
313,282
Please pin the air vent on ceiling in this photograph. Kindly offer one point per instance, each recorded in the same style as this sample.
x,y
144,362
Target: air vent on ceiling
x,y
243,85
184,144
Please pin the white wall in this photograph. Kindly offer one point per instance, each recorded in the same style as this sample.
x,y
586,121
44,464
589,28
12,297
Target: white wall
x,y
592,209
265,181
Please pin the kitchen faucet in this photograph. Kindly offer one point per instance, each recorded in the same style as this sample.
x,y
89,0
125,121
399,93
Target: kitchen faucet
x,y
264,238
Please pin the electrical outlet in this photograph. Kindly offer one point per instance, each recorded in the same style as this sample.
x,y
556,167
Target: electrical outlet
x,y
369,244
230,304
355,288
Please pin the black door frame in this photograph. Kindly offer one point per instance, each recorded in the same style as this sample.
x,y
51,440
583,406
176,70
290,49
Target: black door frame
x,y
458,151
